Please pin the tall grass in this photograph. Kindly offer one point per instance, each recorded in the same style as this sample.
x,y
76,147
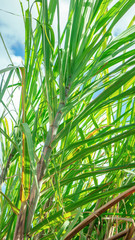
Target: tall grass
x,y
71,149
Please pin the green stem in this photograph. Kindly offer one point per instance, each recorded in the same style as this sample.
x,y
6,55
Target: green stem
x,y
43,165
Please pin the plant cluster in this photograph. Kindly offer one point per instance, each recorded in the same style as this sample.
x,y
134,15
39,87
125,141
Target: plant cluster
x,y
70,147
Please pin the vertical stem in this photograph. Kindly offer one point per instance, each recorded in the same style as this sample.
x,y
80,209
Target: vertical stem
x,y
19,230
23,136
42,166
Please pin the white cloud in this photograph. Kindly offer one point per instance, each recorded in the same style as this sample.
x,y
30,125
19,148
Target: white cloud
x,y
17,60
12,26
4,60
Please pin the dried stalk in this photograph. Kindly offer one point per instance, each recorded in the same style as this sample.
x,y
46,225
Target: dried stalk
x,y
130,232
98,212
119,235
19,230
91,226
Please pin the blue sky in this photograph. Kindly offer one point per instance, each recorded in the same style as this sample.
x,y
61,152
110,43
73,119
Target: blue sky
x,y
18,49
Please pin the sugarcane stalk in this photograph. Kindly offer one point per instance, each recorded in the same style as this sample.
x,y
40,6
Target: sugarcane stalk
x,y
42,166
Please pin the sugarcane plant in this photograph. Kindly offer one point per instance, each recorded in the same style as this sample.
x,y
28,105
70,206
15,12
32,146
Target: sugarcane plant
x,y
68,150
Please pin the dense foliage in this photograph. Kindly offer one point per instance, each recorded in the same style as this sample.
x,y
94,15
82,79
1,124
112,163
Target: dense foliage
x,y
70,147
